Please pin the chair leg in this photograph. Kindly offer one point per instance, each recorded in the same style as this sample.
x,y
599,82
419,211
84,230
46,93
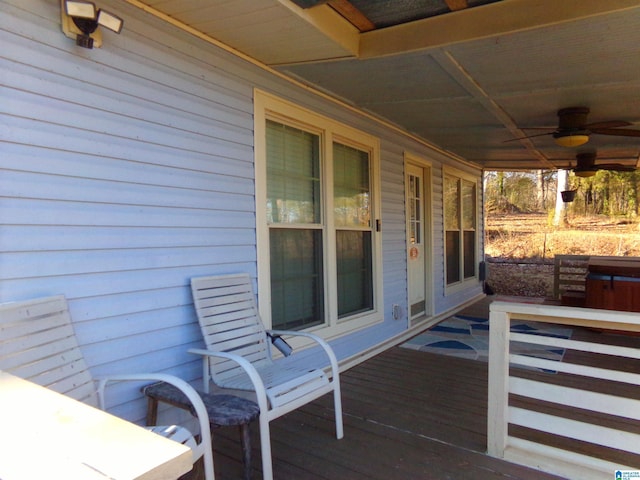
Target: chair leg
x,y
208,465
152,411
265,447
337,400
245,442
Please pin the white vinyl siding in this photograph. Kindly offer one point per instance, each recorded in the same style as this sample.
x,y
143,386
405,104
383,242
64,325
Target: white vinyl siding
x,y
124,171
127,170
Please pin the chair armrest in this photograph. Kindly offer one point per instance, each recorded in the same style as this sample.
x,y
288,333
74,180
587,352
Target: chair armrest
x,y
198,405
254,376
320,341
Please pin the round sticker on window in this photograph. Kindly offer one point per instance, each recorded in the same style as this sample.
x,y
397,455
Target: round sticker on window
x,y
413,253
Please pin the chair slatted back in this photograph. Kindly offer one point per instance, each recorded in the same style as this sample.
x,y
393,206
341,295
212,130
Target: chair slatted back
x,y
37,343
230,321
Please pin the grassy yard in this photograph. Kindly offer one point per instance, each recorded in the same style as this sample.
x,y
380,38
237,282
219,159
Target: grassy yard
x,y
520,248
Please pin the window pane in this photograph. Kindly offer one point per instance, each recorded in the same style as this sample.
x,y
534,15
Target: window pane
x,y
417,221
415,210
293,175
355,277
351,195
451,204
468,206
469,254
297,288
453,257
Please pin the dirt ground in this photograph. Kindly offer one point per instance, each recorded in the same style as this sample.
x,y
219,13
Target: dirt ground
x,y
520,248
522,280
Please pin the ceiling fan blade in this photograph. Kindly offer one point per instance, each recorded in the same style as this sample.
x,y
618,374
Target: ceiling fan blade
x,y
616,131
610,124
528,136
617,167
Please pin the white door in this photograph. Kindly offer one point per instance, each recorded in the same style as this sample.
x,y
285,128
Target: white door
x,y
418,241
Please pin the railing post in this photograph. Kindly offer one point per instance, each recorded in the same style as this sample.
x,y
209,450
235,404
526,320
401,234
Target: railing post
x,y
557,261
497,415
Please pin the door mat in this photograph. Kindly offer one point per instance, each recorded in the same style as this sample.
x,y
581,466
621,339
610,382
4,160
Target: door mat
x,y
468,337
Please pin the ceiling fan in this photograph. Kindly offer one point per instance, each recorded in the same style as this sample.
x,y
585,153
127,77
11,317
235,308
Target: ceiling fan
x,y
573,129
586,165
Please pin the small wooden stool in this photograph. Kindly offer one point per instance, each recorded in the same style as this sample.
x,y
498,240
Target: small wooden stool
x,y
223,410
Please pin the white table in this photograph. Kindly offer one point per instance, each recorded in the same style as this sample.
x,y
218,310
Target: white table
x,y
47,435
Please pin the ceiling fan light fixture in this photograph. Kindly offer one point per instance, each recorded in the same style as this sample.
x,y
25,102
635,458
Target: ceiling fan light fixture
x,y
585,173
571,139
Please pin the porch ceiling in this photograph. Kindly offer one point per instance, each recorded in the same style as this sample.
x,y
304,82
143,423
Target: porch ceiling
x,y
465,75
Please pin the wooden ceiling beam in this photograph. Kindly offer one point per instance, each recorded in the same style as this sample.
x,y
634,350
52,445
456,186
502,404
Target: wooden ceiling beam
x,y
457,4
330,22
493,19
352,14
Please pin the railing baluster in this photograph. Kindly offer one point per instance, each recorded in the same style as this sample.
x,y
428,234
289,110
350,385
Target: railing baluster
x,y
556,416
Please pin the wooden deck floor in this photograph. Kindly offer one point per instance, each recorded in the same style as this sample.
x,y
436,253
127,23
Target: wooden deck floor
x,y
407,414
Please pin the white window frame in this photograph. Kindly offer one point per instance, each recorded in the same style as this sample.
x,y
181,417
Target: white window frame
x,y
270,107
463,283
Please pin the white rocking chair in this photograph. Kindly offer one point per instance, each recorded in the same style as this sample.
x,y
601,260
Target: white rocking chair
x,y
238,356
38,344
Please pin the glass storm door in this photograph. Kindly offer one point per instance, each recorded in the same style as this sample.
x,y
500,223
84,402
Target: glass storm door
x,y
417,242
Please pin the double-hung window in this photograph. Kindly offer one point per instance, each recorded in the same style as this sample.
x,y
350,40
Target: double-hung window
x,y
460,224
317,211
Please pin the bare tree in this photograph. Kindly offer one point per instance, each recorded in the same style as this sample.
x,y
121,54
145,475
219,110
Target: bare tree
x,y
540,190
561,208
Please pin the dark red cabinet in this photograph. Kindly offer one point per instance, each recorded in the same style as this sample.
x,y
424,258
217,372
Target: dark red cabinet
x,y
613,285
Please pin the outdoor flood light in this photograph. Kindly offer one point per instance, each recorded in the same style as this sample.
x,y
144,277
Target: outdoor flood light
x,y
110,21
81,19
80,9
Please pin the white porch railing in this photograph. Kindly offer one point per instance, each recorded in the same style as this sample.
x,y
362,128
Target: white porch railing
x,y
623,411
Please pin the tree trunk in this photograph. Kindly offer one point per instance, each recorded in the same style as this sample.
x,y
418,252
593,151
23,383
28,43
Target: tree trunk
x,y
540,190
634,195
561,208
500,178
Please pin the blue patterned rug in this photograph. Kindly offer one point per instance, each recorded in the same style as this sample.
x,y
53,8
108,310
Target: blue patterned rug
x,y
468,337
